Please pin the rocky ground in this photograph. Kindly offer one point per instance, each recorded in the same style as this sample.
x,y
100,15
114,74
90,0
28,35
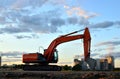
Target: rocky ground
x,y
59,74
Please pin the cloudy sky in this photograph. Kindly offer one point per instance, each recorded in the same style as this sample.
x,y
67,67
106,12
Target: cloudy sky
x,y
28,26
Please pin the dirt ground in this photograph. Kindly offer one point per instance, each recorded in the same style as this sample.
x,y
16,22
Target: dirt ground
x,y
59,74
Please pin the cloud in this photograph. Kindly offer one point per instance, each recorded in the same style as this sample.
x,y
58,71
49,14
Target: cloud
x,y
98,50
14,30
29,16
79,12
26,36
105,24
23,36
11,56
84,21
94,54
11,60
57,22
77,16
43,22
77,21
110,48
2,20
14,54
21,3
118,22
72,20
116,55
28,19
57,2
78,56
114,43
6,3
82,55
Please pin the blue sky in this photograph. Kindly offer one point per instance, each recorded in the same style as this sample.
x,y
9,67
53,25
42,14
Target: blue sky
x,y
26,25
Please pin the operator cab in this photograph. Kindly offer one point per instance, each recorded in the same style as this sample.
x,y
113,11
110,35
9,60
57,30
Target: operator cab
x,y
55,58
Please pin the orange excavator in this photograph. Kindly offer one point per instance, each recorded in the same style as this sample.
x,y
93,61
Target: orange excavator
x,y
41,61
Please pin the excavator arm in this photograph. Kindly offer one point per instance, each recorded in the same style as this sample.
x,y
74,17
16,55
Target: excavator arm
x,y
49,53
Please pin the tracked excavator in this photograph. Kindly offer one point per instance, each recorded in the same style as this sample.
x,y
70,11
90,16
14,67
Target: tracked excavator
x,y
40,62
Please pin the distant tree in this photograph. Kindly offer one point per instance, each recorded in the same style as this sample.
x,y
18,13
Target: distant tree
x,y
5,66
18,66
66,67
77,67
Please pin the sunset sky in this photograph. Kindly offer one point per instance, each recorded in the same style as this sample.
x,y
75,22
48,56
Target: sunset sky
x,y
28,26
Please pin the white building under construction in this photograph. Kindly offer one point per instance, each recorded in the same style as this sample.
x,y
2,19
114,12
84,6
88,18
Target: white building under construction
x,y
106,63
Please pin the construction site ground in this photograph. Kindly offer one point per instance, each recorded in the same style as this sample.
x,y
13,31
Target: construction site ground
x,y
19,74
